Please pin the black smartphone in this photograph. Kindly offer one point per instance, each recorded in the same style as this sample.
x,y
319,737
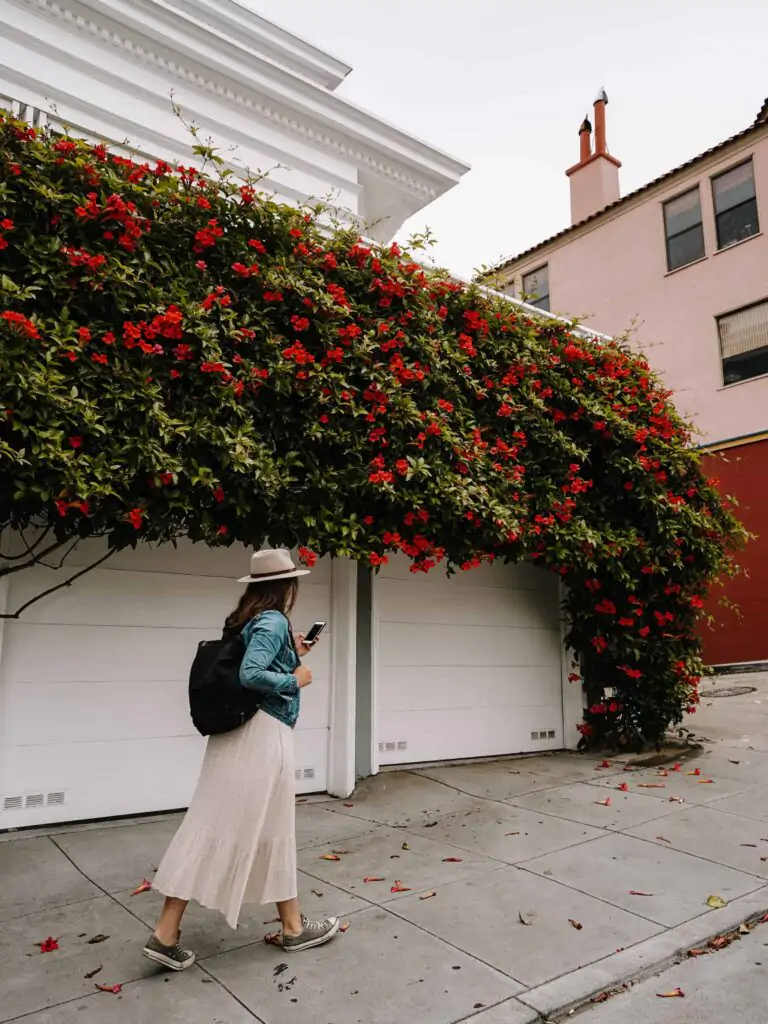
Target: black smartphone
x,y
314,632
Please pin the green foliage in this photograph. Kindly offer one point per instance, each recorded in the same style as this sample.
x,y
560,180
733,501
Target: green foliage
x,y
181,355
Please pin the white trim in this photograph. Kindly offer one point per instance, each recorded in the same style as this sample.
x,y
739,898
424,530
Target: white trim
x,y
341,736
573,693
375,673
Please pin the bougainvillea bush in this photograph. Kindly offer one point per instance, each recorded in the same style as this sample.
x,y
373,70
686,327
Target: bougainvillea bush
x,y
182,356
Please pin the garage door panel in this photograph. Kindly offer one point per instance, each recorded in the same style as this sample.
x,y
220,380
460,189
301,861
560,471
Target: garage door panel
x,y
521,575
123,598
438,603
425,689
417,736
413,644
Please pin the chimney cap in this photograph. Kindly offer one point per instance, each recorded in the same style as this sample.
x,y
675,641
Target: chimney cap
x,y
586,126
602,96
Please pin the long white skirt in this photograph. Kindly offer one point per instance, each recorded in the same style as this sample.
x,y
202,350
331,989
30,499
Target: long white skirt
x,y
237,842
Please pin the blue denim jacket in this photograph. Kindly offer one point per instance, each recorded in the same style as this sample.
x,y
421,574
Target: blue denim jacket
x,y
269,663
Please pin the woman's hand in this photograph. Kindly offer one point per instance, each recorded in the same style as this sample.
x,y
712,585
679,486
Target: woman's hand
x,y
303,676
302,647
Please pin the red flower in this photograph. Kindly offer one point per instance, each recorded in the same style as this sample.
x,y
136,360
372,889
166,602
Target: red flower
x,y
223,531
299,323
218,494
75,441
15,169
368,520
697,602
136,517
606,607
375,559
254,243
295,232
308,557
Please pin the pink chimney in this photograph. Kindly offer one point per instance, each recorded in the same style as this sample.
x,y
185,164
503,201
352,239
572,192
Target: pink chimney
x,y
595,178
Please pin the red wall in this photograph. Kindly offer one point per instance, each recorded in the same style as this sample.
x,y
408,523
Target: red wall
x,y
743,473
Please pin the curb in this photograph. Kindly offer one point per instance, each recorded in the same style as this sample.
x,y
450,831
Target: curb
x,y
559,998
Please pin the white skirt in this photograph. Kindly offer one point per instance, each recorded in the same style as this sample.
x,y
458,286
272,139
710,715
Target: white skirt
x,y
237,842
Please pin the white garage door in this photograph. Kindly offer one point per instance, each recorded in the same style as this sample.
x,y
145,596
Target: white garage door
x,y
468,666
93,684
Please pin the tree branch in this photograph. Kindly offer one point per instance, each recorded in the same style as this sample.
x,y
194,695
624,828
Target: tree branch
x,y
30,548
52,590
35,560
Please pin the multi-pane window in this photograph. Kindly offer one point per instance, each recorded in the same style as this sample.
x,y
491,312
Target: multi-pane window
x,y
735,205
536,287
744,343
683,229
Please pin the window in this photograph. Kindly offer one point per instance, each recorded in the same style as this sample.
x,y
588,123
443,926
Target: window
x,y
735,205
536,287
744,343
683,229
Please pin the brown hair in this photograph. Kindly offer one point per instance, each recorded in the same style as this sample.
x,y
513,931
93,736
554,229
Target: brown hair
x,y
272,595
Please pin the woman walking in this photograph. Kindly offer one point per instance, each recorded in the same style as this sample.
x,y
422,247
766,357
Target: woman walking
x,y
237,842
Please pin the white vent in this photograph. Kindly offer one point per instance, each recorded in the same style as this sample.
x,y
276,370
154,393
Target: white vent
x,y
388,746
402,744
55,799
35,800
551,734
304,773
13,803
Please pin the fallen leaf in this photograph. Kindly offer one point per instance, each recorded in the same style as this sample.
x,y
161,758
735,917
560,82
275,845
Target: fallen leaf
x,y
764,858
624,788
315,892
602,998
527,917
452,860
733,762
698,952
344,927
92,974
430,824
677,767
511,833
428,895
635,892
97,939
144,887
716,902
406,846
664,839
743,929
273,939
340,853
651,785
696,771
676,993
753,845
676,800
373,878
49,945
279,969
348,805
115,990
330,856
575,924
720,942
399,887
604,803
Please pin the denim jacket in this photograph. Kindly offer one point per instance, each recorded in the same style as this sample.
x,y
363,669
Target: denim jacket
x,y
269,663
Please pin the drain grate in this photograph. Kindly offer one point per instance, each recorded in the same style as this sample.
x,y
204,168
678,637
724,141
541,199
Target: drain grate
x,y
728,691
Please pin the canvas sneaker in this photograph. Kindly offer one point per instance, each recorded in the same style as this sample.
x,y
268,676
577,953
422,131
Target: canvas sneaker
x,y
173,957
314,933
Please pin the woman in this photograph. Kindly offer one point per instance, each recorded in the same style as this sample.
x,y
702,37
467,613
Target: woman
x,y
237,842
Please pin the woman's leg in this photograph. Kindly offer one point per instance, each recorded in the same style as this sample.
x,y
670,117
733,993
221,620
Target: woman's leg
x,y
169,923
290,917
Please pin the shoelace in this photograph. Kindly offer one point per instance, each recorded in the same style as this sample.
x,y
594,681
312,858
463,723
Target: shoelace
x,y
312,926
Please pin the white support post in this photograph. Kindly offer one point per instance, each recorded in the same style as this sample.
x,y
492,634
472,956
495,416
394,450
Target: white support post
x,y
375,660
341,740
573,693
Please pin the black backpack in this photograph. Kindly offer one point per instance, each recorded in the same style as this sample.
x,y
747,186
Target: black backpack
x,y
217,700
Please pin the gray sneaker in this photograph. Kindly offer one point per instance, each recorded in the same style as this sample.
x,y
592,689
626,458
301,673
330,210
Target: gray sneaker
x,y
173,957
314,933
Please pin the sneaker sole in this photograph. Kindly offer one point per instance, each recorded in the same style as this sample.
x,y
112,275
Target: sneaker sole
x,y
166,961
320,941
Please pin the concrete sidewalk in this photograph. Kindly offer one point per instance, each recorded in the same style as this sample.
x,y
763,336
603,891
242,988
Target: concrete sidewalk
x,y
478,849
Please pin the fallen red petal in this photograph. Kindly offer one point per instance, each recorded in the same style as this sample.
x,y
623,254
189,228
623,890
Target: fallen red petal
x,y
452,860
623,787
676,993
49,945
373,878
144,887
330,856
115,990
604,803
348,805
399,887
604,764
706,782
677,767
698,952
344,927
696,771
273,939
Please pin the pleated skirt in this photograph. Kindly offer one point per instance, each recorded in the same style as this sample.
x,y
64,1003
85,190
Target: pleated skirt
x,y
237,842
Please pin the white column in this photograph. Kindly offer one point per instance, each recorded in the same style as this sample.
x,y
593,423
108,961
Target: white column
x,y
341,754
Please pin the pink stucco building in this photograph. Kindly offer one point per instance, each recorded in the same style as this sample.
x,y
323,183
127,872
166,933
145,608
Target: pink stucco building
x,y
683,262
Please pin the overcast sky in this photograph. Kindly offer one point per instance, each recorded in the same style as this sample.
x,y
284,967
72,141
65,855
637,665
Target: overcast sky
x,y
504,84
